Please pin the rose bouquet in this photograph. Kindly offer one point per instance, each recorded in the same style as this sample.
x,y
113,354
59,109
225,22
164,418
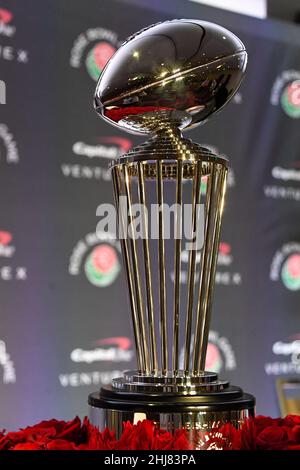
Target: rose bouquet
x,y
260,433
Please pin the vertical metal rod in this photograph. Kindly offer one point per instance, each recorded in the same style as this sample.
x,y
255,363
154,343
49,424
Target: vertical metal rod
x,y
202,273
214,257
192,270
135,272
201,318
162,273
177,263
147,266
127,266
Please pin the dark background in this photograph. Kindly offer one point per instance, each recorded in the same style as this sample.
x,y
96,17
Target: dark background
x,y
49,195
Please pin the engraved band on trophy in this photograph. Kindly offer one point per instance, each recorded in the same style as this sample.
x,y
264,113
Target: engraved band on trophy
x,y
164,79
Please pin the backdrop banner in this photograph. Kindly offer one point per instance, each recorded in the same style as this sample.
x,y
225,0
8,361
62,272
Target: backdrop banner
x,y
64,316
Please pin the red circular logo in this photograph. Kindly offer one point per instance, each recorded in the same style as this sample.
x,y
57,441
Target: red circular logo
x,y
293,265
5,16
104,258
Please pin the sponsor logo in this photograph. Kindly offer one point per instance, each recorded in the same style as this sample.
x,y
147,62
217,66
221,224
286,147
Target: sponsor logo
x,y
285,266
92,158
286,92
77,379
286,174
289,357
6,28
107,350
97,256
225,275
102,265
98,57
10,53
290,99
9,272
9,372
289,177
2,92
94,48
8,146
220,355
6,249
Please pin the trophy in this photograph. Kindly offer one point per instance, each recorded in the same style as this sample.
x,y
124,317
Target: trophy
x,y
164,79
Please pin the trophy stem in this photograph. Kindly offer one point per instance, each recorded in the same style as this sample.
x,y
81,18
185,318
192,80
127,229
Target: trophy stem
x,y
136,277
208,259
162,273
177,265
192,266
128,273
147,270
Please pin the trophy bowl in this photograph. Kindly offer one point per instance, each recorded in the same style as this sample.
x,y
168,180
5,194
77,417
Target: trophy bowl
x,y
164,79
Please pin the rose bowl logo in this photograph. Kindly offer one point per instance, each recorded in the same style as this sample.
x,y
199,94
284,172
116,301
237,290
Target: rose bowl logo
x,y
214,361
290,99
98,257
6,29
286,92
94,47
219,356
98,57
8,270
285,266
6,248
102,265
290,272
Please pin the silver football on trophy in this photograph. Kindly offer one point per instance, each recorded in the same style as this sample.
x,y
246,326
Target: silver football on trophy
x,y
184,69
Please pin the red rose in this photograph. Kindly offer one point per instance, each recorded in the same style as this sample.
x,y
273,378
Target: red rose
x,y
292,420
273,438
262,422
27,446
60,444
245,438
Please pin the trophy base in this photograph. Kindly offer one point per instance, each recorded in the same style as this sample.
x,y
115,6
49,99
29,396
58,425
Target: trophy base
x,y
194,403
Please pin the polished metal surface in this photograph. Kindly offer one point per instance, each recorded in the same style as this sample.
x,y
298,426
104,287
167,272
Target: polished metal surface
x,y
185,69
168,382
192,421
165,327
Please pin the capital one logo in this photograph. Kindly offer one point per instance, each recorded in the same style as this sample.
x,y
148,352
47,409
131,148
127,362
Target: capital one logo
x,y
116,349
2,92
